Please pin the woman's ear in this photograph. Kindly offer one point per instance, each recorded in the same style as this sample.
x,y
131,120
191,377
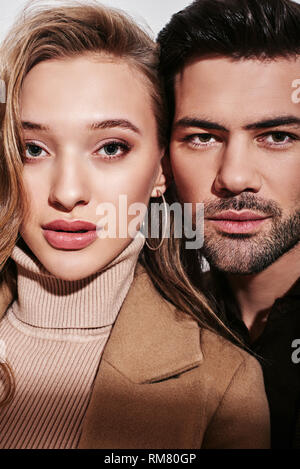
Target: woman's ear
x,y
167,169
160,183
164,177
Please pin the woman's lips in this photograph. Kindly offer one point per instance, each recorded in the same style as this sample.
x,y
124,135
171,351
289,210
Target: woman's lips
x,y
64,234
238,222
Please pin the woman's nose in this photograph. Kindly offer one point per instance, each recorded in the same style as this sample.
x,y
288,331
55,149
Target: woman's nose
x,y
69,186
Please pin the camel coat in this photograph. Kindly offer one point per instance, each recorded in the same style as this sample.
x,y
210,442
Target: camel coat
x,y
164,383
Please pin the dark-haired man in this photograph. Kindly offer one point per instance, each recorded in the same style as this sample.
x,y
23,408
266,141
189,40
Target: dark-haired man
x,y
231,69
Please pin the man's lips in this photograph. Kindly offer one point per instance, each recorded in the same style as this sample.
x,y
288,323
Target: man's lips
x,y
237,216
237,222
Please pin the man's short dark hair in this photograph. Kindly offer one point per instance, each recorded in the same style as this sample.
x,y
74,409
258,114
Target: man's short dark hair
x,y
230,28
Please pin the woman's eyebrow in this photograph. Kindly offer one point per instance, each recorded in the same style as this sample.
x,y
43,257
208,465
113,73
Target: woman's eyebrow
x,y
26,125
105,124
110,123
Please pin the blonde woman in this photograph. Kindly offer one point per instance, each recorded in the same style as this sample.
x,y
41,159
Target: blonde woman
x,y
92,355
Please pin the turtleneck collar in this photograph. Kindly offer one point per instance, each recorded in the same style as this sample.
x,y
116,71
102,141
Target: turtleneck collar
x,y
93,302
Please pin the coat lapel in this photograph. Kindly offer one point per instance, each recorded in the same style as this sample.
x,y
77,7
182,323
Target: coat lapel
x,y
150,340
149,343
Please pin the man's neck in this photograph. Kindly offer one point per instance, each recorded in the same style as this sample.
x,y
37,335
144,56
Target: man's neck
x,y
256,293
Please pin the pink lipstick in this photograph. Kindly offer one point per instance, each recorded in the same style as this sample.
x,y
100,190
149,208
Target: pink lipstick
x,y
237,222
70,235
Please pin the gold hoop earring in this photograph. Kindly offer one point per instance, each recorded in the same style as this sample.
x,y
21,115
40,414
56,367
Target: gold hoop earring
x,y
165,226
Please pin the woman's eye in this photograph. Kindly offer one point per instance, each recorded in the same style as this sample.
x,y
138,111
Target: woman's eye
x,y
113,150
33,150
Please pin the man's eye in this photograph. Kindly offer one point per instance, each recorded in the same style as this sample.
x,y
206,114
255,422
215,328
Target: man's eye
x,y
33,150
200,140
277,138
113,150
205,137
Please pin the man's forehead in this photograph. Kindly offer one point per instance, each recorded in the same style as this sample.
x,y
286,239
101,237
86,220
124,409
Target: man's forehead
x,y
213,63
234,87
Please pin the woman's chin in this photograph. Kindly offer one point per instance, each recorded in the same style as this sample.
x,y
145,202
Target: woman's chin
x,y
71,273
74,264
70,265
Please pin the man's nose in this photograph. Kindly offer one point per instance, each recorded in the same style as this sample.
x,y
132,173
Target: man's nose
x,y
238,169
70,183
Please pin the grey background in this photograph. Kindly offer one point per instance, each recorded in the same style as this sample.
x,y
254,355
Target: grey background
x,y
154,13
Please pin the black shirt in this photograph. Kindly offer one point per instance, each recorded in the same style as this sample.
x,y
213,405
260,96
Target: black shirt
x,y
279,361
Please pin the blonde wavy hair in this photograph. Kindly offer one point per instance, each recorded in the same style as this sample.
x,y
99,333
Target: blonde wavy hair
x,y
57,31
60,31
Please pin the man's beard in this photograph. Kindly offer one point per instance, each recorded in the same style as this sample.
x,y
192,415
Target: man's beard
x,y
249,253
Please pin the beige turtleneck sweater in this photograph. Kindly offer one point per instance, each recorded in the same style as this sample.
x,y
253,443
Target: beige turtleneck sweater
x,y
54,335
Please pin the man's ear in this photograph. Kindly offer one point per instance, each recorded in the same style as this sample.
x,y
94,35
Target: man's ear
x,y
164,177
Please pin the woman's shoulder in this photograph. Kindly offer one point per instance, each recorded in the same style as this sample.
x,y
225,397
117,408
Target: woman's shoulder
x,y
209,341
236,398
218,356
218,373
223,349
228,362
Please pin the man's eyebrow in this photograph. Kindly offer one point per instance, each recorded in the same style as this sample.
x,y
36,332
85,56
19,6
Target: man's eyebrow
x,y
199,123
273,122
105,124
